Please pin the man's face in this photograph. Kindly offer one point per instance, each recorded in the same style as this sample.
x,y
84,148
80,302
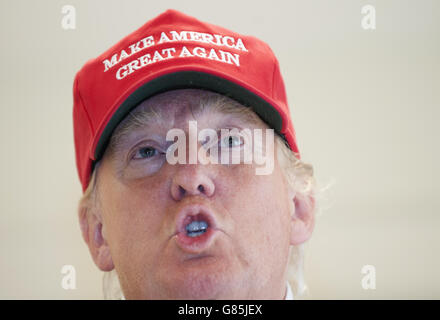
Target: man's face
x,y
146,204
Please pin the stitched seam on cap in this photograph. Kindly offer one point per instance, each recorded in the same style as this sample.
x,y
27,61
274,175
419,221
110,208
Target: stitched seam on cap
x,y
84,109
273,76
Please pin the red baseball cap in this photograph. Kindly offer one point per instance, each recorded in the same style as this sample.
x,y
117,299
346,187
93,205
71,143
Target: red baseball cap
x,y
173,51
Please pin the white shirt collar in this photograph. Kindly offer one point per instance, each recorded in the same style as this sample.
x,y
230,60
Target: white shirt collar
x,y
289,293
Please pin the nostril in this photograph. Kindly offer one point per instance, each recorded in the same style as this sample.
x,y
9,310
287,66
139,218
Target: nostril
x,y
182,191
201,188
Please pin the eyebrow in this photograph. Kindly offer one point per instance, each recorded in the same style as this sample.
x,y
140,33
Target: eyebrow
x,y
136,119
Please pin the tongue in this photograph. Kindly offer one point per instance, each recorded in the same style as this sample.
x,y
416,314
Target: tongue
x,y
196,228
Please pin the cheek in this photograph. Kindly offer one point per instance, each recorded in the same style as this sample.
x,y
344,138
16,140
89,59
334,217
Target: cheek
x,y
260,211
133,215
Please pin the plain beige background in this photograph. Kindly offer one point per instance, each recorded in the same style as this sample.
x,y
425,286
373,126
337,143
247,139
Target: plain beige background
x,y
365,105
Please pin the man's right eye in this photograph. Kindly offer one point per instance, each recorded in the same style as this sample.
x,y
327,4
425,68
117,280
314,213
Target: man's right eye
x,y
145,153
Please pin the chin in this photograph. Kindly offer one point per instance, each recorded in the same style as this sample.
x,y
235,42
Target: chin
x,y
202,278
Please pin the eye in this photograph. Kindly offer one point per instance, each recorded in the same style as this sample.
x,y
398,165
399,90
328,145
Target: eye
x,y
231,141
145,153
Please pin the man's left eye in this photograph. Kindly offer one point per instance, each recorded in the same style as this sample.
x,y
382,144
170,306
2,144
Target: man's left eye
x,y
231,141
145,152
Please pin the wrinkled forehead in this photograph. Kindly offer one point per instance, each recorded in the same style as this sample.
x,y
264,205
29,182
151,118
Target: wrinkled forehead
x,y
175,108
178,105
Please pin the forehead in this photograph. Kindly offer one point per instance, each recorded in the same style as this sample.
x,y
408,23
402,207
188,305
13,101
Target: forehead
x,y
170,107
174,108
190,104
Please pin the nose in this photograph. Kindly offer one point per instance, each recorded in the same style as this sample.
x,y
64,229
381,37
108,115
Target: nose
x,y
191,179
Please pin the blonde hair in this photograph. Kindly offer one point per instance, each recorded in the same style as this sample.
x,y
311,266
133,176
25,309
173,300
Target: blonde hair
x,y
298,175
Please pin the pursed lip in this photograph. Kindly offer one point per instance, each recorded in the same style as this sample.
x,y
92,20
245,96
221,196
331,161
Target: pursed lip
x,y
195,245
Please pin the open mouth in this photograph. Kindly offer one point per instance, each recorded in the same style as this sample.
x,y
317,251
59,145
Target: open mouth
x,y
196,229
196,225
